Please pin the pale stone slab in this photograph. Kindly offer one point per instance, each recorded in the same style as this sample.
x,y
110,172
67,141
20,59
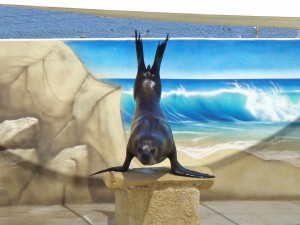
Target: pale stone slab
x,y
154,196
71,161
149,177
21,133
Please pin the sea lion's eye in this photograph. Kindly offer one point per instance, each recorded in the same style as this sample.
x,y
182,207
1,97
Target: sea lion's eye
x,y
140,148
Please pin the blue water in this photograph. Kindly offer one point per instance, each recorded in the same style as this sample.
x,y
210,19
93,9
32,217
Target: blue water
x,y
209,101
259,116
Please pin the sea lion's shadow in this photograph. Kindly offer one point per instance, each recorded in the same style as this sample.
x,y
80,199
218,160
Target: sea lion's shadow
x,y
293,127
97,187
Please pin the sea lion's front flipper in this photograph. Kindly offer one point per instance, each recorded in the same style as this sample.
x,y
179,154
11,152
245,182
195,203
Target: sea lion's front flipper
x,y
139,53
123,168
179,170
115,168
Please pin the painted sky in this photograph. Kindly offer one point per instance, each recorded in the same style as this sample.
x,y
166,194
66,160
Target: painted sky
x,y
194,59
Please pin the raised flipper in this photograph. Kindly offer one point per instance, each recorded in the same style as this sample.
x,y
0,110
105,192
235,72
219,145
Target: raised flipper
x,y
123,168
179,170
160,50
139,53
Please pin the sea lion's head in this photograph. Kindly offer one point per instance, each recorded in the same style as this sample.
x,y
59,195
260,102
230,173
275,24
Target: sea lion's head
x,y
148,151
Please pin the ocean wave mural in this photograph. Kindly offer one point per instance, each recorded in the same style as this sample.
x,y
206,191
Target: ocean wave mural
x,y
217,94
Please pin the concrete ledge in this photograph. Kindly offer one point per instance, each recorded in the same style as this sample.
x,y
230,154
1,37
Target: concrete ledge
x,y
154,196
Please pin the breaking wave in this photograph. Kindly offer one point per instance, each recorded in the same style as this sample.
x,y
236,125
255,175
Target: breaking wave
x,y
240,102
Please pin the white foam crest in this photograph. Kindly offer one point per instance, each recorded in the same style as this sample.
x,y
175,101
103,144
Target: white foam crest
x,y
176,116
294,91
270,106
181,91
206,151
292,157
230,128
198,139
129,92
188,132
289,156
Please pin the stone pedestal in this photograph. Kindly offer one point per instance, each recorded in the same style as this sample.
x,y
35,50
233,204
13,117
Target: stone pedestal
x,y
154,196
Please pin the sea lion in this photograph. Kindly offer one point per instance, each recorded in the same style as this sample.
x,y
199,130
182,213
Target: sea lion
x,y
151,139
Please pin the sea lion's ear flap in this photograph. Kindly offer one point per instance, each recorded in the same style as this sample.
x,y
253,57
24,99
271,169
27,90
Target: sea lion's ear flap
x,y
139,52
159,55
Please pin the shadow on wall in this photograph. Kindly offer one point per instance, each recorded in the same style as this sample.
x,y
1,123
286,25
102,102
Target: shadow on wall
x,y
28,183
260,172
239,176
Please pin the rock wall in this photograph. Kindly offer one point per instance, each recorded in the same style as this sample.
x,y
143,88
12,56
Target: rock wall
x,y
46,80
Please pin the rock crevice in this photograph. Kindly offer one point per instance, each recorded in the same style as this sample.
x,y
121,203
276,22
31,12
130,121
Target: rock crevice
x,y
78,127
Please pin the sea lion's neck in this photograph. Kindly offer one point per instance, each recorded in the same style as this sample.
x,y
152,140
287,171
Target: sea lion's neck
x,y
147,91
147,102
147,87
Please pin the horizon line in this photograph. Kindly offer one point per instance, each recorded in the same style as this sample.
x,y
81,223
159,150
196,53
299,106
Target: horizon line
x,y
170,78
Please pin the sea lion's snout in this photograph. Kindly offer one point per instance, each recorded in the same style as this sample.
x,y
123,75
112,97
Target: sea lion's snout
x,y
146,153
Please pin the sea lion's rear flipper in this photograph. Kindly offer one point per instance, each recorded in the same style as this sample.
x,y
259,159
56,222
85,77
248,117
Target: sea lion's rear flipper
x,y
123,168
139,53
160,50
179,170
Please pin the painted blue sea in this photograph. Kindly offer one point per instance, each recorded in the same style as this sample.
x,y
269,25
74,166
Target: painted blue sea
x,y
212,115
209,101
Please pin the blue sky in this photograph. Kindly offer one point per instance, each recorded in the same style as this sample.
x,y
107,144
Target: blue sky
x,y
194,59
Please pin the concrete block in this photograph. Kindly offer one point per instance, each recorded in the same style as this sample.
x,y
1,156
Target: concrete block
x,y
155,196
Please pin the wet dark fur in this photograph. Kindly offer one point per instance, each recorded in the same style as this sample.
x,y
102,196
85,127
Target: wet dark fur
x,y
151,139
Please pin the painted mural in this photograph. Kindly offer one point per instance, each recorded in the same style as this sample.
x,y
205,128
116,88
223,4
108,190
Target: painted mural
x,y
233,105
66,108
217,94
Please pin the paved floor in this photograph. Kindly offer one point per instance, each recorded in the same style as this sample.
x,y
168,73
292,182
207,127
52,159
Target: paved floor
x,y
212,213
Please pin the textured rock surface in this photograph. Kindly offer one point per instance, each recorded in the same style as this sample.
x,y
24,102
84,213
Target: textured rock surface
x,y
71,161
21,133
16,166
79,126
24,180
46,80
154,196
